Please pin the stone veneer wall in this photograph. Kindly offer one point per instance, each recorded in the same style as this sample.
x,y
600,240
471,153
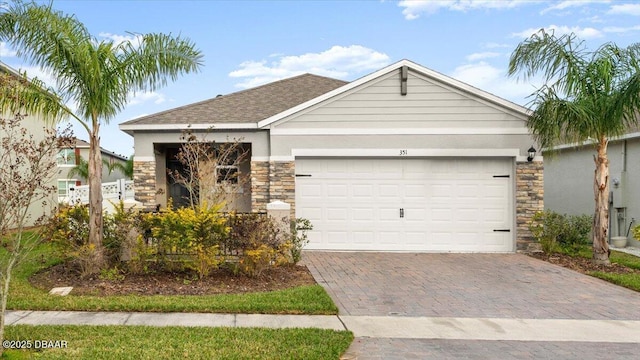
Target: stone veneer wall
x,y
282,183
259,185
144,182
529,200
271,181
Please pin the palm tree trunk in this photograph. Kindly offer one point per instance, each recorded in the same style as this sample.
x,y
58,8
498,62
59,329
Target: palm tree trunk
x,y
95,198
601,192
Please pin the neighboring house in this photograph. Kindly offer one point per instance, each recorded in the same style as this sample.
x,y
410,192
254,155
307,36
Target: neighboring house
x,y
69,158
403,159
568,183
37,128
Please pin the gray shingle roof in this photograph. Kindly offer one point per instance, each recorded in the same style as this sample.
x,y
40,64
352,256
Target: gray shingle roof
x,y
247,106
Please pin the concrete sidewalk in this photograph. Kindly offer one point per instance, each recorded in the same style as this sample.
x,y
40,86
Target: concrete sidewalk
x,y
172,319
603,331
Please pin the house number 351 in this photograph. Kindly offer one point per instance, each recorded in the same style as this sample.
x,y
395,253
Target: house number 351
x,y
403,152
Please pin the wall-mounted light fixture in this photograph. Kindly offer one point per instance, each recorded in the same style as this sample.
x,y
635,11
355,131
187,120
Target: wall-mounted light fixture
x,y
532,154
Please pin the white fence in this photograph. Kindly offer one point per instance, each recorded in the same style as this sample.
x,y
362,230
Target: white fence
x,y
111,192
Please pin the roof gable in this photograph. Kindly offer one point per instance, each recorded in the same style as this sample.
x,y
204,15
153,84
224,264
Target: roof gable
x,y
438,77
247,106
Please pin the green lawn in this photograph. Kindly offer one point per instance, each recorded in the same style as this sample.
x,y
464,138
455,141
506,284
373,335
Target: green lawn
x,y
631,281
139,342
298,300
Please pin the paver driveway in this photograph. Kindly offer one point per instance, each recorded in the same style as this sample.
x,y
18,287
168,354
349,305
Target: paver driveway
x,y
466,285
470,286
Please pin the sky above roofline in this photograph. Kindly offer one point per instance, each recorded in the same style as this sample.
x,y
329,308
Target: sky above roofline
x,y
250,43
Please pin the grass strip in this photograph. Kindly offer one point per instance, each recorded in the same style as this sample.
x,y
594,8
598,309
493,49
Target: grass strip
x,y
141,342
631,281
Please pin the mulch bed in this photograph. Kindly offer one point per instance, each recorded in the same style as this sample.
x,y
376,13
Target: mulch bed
x,y
173,283
581,264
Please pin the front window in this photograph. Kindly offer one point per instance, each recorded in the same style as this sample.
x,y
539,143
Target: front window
x,y
66,157
227,170
63,187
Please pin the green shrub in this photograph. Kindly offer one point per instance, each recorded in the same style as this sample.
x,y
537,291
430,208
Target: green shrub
x,y
556,232
299,239
636,232
188,238
184,239
69,228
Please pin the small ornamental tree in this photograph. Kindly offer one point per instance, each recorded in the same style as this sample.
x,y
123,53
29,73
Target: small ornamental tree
x,y
27,181
209,170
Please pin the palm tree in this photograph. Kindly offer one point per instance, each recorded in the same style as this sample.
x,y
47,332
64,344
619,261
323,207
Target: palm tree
x,y
97,76
126,168
588,95
81,170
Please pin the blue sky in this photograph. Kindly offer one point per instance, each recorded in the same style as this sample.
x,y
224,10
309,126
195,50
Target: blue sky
x,y
248,43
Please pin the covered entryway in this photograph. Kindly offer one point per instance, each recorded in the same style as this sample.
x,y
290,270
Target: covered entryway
x,y
395,204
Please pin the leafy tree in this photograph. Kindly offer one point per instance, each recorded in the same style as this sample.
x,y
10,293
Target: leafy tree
x,y
588,95
96,75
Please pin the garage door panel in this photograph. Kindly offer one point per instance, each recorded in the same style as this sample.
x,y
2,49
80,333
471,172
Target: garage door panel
x,y
362,191
363,237
449,204
335,190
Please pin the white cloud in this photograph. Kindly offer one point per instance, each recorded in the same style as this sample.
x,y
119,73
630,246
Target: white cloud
x,y
625,9
482,55
338,62
494,80
620,30
139,98
414,8
6,51
119,39
563,5
582,33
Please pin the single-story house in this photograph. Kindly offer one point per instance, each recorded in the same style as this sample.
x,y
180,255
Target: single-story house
x,y
568,185
403,159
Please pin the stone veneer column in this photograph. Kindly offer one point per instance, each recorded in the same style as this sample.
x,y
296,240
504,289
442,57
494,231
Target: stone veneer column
x,y
529,200
282,183
144,182
259,185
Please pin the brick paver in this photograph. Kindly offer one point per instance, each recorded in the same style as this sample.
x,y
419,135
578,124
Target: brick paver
x,y
471,285
390,349
466,285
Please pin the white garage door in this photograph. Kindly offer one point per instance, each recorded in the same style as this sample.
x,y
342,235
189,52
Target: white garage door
x,y
448,204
